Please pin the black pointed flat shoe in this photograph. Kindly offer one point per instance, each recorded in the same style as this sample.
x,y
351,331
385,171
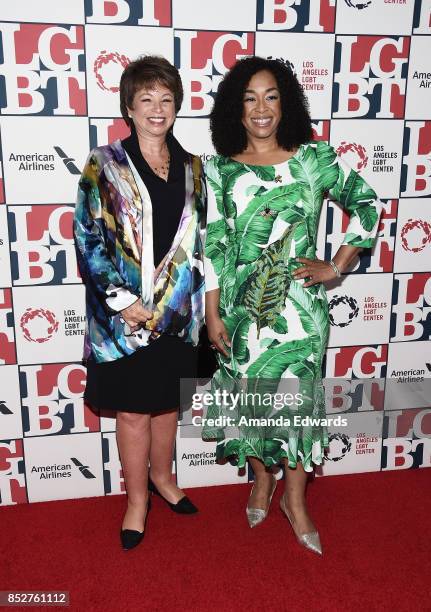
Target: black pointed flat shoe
x,y
130,538
183,506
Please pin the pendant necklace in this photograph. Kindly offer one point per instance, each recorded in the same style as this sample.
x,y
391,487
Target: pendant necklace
x,y
162,171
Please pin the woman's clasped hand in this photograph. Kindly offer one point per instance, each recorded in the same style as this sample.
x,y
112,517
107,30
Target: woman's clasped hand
x,y
136,315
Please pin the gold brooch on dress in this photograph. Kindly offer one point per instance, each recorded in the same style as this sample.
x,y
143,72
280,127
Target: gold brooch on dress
x,y
268,212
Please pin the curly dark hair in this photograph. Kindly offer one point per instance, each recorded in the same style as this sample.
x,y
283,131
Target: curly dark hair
x,y
227,132
146,71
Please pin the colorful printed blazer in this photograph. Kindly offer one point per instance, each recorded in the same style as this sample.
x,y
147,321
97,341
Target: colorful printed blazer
x,y
114,244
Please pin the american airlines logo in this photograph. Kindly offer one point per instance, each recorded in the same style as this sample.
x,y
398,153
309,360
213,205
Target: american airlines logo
x,y
4,409
43,161
82,468
63,470
68,161
412,375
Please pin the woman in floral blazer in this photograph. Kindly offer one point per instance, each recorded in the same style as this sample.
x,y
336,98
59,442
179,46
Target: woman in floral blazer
x,y
139,230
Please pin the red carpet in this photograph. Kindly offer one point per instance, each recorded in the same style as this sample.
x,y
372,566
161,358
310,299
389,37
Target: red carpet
x,y
375,530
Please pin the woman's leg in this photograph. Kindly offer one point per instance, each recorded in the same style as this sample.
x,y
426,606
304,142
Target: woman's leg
x,y
263,483
294,495
163,433
133,439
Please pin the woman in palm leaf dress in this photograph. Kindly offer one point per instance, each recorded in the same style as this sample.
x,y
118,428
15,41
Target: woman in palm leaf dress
x,y
266,305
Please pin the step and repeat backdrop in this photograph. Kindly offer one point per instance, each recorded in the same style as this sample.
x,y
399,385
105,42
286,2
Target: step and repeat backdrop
x,y
364,65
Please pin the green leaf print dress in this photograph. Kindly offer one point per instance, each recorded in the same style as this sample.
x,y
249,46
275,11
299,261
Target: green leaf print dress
x,y
259,219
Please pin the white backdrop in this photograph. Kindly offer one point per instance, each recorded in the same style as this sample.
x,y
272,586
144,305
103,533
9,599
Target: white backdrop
x,y
364,65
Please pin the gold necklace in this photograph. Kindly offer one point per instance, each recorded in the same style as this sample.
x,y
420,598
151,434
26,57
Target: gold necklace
x,y
163,170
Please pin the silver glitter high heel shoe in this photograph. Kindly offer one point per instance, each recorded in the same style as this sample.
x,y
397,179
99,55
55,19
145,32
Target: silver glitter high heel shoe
x,y
308,540
257,515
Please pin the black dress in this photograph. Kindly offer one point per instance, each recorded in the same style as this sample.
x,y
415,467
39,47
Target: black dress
x,y
148,380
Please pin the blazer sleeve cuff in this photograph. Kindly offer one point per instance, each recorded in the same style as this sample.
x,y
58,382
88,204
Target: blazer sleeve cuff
x,y
120,298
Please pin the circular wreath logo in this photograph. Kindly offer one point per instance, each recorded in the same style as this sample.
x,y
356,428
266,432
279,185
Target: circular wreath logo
x,y
361,4
357,150
419,239
340,445
108,68
347,309
38,325
284,61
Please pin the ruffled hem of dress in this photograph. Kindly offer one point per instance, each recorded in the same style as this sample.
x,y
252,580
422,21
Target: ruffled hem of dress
x,y
239,449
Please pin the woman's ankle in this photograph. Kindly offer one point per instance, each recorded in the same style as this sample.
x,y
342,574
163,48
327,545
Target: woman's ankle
x,y
295,506
138,502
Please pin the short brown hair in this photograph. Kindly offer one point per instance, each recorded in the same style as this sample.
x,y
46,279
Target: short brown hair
x,y
146,71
